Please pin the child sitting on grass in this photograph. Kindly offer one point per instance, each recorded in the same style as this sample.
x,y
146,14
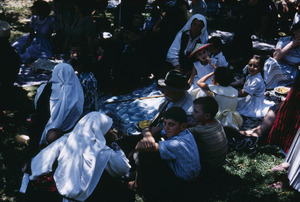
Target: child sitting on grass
x,y
225,95
202,66
174,162
251,102
212,143
208,133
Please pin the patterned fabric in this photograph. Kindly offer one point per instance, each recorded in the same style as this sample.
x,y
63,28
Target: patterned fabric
x,y
82,156
44,182
293,158
273,75
89,86
287,120
283,72
212,143
181,154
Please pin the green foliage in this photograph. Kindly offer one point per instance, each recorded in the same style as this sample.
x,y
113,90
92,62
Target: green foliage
x,y
253,176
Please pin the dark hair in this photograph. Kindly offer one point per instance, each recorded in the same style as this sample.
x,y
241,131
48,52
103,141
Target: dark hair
x,y
81,60
177,114
42,8
216,42
223,76
209,105
261,61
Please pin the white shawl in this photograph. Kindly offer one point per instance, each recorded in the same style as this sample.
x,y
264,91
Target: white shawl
x,y
82,156
66,100
174,49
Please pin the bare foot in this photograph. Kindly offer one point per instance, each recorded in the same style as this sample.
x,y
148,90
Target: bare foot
x,y
132,185
281,167
276,185
252,132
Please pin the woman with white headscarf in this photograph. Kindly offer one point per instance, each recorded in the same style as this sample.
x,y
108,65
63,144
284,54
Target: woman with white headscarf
x,y
58,104
82,155
194,31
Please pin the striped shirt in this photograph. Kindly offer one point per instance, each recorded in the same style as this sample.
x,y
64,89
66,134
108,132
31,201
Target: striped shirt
x,y
212,143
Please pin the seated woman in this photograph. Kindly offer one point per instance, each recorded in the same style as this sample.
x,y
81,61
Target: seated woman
x,y
287,120
281,123
82,158
282,69
58,104
39,42
193,32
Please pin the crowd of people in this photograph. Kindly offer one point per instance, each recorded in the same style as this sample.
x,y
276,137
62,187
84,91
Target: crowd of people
x,y
74,153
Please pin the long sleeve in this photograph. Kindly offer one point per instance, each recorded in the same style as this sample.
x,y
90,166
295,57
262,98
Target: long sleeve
x,y
173,53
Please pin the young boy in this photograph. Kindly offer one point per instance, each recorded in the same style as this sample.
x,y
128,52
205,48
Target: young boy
x,y
208,133
179,152
212,144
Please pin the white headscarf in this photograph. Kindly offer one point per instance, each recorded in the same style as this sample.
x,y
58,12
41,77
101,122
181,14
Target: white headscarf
x,y
82,156
173,52
66,100
204,33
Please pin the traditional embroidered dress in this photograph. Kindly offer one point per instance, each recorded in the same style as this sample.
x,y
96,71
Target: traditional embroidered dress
x,y
293,158
89,86
287,120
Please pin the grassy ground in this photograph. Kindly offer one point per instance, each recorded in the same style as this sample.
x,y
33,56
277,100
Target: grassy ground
x,y
247,177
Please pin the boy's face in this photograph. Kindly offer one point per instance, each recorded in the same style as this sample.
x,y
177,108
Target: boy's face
x,y
202,55
173,127
199,115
